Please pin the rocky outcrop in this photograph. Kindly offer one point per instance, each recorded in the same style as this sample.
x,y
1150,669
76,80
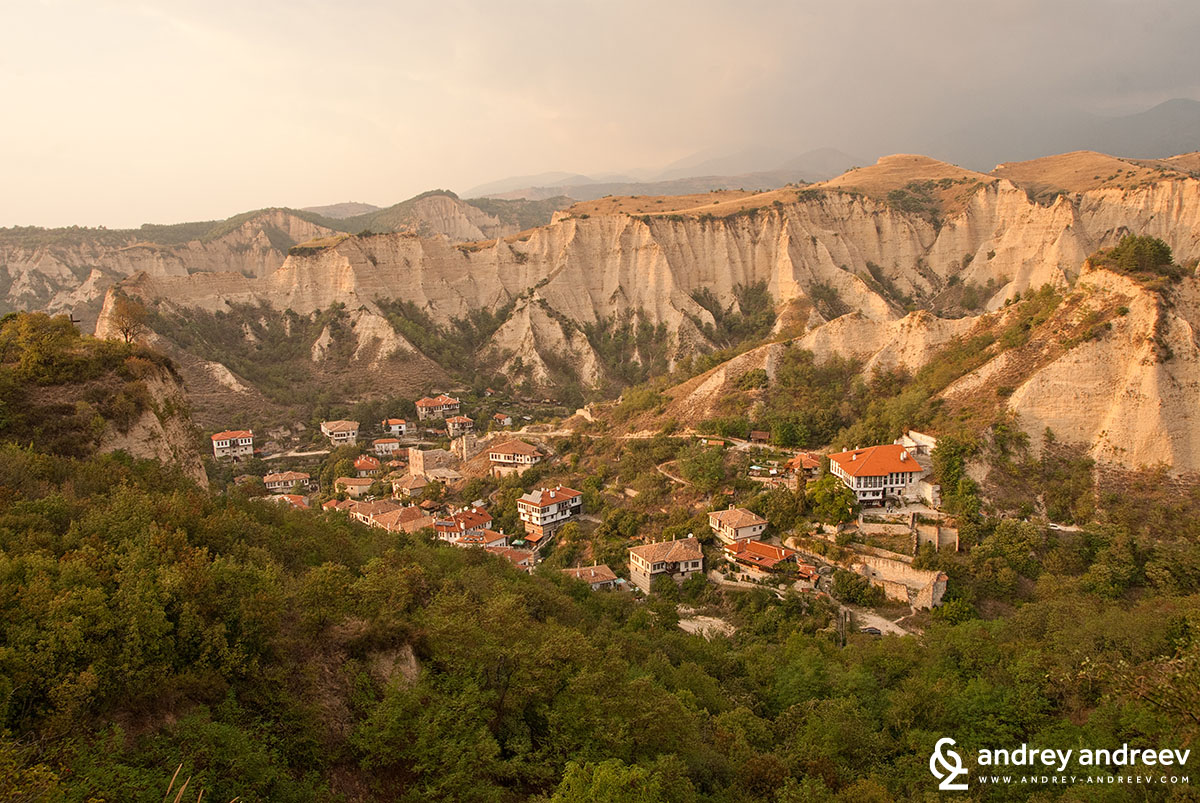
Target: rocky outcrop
x,y
71,274
1131,400
163,432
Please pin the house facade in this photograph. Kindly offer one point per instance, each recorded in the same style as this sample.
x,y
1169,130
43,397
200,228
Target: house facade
x,y
678,559
736,524
468,521
354,487
759,557
340,432
459,425
394,426
385,447
502,420
512,457
545,510
441,406
284,481
367,466
233,444
877,472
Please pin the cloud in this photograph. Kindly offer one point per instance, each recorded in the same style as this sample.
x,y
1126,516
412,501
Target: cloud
x,y
132,111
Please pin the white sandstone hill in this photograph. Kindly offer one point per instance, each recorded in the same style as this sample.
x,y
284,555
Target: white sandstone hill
x,y
906,231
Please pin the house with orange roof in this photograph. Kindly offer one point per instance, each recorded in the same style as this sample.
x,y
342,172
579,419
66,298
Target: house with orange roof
x,y
523,559
439,406
283,481
484,539
545,510
459,425
233,444
385,447
367,466
394,426
462,522
295,500
736,524
502,420
678,559
877,472
758,556
597,576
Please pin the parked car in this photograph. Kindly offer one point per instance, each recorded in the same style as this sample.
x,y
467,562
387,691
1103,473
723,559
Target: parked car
x,y
871,631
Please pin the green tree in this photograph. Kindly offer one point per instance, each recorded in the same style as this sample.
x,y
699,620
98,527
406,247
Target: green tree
x,y
831,501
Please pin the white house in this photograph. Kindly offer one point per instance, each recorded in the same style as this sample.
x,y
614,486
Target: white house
x,y
547,509
394,426
877,472
457,425
502,420
233,443
340,432
385,447
736,524
284,481
678,559
439,406
512,457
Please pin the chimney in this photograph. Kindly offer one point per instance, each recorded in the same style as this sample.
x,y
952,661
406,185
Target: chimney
x,y
903,455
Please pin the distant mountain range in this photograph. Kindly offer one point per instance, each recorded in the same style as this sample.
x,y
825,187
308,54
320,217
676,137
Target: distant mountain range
x,y
749,168
1169,128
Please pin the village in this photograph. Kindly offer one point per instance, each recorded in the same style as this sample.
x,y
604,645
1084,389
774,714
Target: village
x,y
510,491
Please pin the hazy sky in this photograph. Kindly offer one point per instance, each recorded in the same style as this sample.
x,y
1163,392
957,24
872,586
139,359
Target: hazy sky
x,y
119,113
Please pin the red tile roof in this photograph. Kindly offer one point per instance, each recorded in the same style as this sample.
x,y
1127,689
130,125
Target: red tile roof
x,y
737,518
232,433
286,476
876,461
599,573
355,481
669,551
366,462
544,497
437,401
756,553
513,447
459,419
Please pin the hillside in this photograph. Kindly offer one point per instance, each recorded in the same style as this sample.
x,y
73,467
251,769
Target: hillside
x,y
157,636
649,282
62,393
69,270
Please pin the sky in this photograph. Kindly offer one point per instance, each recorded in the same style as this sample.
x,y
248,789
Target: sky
x,y
120,112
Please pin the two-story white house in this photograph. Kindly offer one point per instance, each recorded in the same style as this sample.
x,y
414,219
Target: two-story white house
x,y
678,559
385,447
545,510
877,472
284,481
440,406
340,432
394,426
233,443
512,457
736,524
